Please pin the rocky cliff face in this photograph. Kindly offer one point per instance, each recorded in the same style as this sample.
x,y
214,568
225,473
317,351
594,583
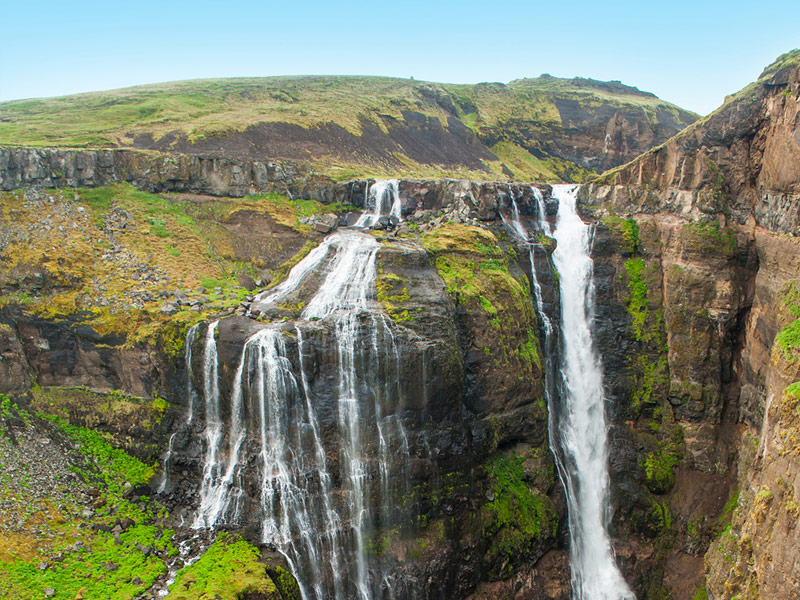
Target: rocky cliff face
x,y
696,264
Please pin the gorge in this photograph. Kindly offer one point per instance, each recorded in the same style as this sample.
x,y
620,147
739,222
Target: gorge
x,y
247,377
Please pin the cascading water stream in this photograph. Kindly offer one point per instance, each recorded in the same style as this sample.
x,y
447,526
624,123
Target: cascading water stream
x,y
274,414
384,195
580,422
577,425
213,433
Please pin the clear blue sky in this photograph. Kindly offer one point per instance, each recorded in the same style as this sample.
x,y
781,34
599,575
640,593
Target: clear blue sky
x,y
691,53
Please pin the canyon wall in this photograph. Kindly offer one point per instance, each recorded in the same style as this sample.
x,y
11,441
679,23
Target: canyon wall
x,y
696,263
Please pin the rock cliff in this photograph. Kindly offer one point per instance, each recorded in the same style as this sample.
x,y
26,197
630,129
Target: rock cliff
x,y
697,269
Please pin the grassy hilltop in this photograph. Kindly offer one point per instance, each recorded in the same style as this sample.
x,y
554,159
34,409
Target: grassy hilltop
x,y
544,128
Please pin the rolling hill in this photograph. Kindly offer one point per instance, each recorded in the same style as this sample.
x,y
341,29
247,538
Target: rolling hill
x,y
545,128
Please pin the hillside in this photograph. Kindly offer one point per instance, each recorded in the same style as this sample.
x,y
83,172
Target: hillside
x,y
545,128
742,158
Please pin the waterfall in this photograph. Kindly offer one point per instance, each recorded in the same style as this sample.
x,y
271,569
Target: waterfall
x,y
577,425
323,498
580,422
213,432
383,197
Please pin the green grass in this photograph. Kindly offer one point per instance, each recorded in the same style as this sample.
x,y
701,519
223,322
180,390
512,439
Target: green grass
x,y
788,59
82,563
529,168
229,570
201,109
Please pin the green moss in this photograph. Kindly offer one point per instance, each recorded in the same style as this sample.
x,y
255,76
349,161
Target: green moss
x,y
648,376
517,519
660,463
83,563
788,338
111,465
659,471
229,570
110,413
724,521
530,351
390,293
475,269
286,584
180,243
103,569
710,238
637,301
626,232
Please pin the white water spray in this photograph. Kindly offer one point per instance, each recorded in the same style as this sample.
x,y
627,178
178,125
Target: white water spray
x,y
383,197
581,421
213,431
323,531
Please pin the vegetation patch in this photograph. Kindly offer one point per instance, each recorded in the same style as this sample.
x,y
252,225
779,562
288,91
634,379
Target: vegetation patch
x,y
113,549
516,519
709,238
659,464
230,569
649,367
111,256
788,338
624,231
121,417
390,292
637,301
475,269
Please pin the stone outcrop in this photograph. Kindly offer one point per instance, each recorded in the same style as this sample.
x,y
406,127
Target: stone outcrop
x,y
740,161
214,176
